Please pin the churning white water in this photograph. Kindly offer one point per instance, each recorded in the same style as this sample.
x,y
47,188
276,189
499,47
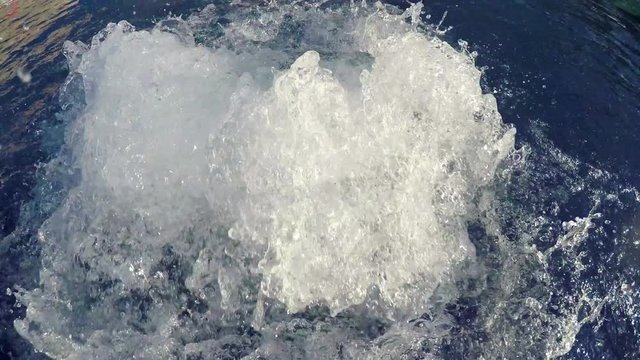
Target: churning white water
x,y
297,157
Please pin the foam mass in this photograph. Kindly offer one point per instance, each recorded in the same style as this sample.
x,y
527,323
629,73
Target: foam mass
x,y
297,155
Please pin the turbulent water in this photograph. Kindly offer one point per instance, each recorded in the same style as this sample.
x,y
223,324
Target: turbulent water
x,y
312,181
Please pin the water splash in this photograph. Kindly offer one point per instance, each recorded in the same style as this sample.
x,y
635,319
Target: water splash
x,y
301,181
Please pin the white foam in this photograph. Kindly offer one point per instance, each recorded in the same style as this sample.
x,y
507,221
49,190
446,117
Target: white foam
x,y
350,170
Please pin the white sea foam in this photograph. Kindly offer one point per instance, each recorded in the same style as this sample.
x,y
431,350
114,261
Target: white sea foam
x,y
341,170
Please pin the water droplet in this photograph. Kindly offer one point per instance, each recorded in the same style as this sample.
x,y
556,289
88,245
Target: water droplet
x,y
24,75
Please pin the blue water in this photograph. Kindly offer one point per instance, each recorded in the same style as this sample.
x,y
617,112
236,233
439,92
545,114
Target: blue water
x,y
567,69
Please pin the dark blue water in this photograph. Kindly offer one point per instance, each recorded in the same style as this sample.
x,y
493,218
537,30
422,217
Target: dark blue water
x,y
567,69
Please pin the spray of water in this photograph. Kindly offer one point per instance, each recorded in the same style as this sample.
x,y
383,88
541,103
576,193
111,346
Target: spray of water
x,y
286,182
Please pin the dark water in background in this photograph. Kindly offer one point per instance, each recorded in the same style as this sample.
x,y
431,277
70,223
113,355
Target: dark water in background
x,y
573,66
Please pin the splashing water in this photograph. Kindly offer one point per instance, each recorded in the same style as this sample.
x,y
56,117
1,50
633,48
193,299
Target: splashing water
x,y
299,182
